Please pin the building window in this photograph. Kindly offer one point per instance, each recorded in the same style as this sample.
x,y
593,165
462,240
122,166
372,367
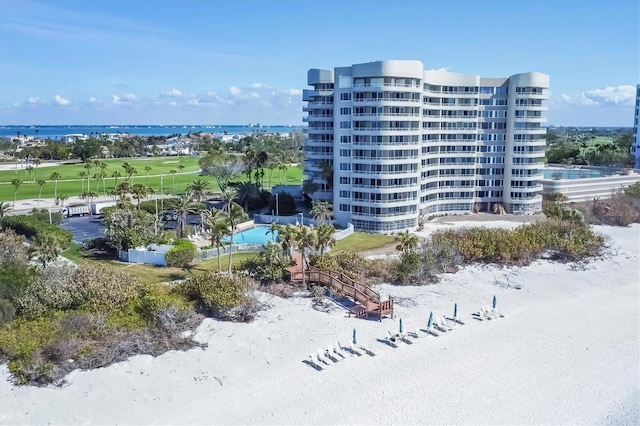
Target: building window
x,y
345,139
345,111
345,124
345,96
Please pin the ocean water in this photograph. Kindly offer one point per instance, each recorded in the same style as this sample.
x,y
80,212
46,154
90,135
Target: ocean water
x,y
55,132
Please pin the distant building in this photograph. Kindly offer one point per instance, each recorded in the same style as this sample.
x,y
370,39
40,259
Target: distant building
x,y
396,142
635,145
74,137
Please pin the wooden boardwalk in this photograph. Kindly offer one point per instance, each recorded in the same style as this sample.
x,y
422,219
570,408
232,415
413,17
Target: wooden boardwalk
x,y
367,300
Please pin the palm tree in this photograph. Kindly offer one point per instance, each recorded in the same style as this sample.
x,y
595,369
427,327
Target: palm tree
x,y
322,211
37,162
55,176
4,209
286,238
181,167
16,184
62,199
82,175
273,230
101,176
198,189
88,167
181,207
41,183
305,238
116,174
246,192
235,214
30,171
325,237
216,223
408,241
173,178
46,248
148,170
139,191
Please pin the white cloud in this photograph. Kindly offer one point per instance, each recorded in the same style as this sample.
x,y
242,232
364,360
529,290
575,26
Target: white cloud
x,y
447,69
235,91
93,100
33,100
200,102
61,101
259,86
173,93
292,92
623,95
130,97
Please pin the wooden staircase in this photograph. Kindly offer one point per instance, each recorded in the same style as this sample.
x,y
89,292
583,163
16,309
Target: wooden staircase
x,y
367,300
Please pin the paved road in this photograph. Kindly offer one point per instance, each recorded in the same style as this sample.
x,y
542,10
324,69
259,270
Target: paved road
x,y
83,227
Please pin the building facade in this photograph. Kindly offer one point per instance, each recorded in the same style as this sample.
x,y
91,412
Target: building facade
x,y
635,145
388,142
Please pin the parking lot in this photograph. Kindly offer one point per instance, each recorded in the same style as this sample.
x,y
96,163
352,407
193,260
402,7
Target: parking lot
x,y
83,227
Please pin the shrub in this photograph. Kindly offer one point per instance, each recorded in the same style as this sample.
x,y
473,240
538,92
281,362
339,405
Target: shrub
x,y
47,291
100,287
43,216
7,311
12,248
181,255
164,308
32,227
215,294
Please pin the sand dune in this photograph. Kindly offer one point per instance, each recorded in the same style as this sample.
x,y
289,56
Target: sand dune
x,y
568,352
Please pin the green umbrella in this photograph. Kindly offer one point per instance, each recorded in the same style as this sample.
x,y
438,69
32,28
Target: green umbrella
x,y
400,325
430,323
494,302
354,337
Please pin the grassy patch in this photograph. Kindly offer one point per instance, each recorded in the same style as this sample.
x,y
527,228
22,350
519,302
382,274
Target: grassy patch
x,y
152,274
72,185
360,241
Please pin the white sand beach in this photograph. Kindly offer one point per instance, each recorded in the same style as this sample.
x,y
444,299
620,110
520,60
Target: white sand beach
x,y
567,353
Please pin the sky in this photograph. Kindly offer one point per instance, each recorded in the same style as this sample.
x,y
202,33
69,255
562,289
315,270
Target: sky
x,y
238,61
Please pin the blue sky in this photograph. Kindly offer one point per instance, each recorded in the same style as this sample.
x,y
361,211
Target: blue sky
x,y
236,62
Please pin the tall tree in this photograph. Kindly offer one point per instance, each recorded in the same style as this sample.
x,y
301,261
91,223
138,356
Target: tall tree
x,y
217,225
148,170
325,238
246,193
116,174
88,167
223,167
41,183
4,209
16,185
322,211
408,241
181,207
305,239
173,179
139,191
199,189
234,216
82,175
55,176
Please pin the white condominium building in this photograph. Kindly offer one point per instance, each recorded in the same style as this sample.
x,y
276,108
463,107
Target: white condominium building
x,y
388,142
635,145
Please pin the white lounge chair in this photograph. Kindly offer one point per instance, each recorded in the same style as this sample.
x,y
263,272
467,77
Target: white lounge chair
x,y
366,350
313,360
449,324
439,325
322,358
329,353
392,339
496,313
337,349
415,334
356,350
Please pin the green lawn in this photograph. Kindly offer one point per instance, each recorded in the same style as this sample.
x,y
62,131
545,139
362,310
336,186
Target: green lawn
x,y
360,241
72,185
155,274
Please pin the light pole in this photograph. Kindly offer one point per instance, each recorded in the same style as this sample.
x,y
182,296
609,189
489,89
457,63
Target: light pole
x,y
301,219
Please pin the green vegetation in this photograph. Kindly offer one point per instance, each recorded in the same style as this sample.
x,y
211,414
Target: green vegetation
x,y
181,255
72,184
32,226
589,148
360,241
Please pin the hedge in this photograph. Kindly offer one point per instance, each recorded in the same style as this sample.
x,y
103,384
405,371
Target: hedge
x,y
33,227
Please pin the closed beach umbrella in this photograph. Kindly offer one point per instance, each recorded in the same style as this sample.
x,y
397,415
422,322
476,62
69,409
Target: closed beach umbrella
x,y
354,337
400,325
494,302
430,323
455,310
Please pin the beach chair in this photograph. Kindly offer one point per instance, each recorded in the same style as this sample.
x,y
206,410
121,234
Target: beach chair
x,y
497,314
315,363
438,324
392,339
337,349
366,350
355,350
415,334
490,313
449,324
329,353
322,358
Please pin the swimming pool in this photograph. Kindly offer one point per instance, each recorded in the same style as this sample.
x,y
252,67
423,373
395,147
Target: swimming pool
x,y
570,173
255,235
